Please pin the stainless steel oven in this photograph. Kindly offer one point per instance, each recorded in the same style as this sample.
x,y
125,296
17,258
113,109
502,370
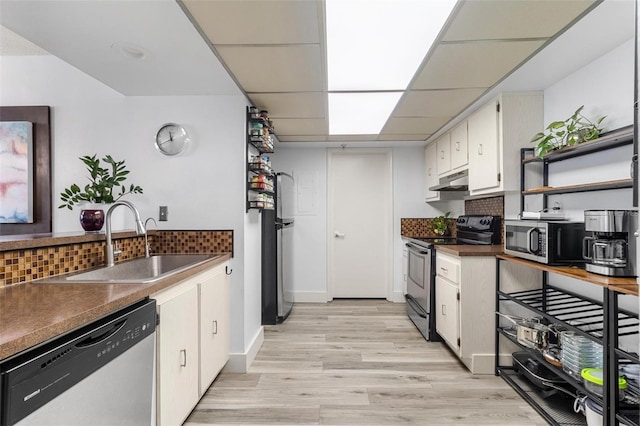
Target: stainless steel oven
x,y
421,277
420,288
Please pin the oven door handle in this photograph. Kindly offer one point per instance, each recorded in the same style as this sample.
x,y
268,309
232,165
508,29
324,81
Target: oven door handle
x,y
414,305
417,249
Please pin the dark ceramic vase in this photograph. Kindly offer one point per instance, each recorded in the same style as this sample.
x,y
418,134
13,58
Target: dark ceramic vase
x,y
92,220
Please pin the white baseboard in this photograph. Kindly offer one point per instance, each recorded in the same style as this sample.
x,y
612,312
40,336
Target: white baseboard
x,y
397,297
322,297
240,362
310,297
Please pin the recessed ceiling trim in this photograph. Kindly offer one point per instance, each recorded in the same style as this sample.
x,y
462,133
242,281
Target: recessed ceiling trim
x,y
494,40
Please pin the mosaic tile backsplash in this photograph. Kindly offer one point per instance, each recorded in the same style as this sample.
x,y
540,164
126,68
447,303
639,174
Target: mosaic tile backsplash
x,y
421,227
492,206
25,265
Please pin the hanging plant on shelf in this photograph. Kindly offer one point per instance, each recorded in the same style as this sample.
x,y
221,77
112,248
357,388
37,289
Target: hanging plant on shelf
x,y
572,131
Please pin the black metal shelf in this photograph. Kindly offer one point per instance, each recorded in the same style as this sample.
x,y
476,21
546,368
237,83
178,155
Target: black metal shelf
x,y
571,380
264,146
575,312
585,187
262,142
603,322
260,168
558,411
609,140
266,123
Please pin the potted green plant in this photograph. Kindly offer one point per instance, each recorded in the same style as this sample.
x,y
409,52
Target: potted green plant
x,y
440,224
574,130
106,185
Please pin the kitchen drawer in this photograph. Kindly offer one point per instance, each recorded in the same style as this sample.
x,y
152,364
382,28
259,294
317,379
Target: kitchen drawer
x,y
448,267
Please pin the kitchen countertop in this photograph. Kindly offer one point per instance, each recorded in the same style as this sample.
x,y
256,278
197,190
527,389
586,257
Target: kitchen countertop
x,y
470,250
32,313
29,241
466,249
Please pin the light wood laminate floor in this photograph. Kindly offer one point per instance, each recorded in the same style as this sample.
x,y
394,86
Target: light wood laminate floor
x,y
357,362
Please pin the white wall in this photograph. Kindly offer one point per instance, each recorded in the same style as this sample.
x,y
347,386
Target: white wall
x,y
309,169
605,87
204,187
310,238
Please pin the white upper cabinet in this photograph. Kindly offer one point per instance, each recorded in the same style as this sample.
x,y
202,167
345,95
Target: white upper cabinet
x,y
459,147
496,133
443,145
431,174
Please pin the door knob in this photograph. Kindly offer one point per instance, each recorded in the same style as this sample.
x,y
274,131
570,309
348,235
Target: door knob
x,y
338,234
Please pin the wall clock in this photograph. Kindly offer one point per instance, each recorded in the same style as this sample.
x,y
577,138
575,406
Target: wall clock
x,y
171,139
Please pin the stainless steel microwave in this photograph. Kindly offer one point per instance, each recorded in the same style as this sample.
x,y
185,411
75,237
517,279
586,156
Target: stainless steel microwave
x,y
552,243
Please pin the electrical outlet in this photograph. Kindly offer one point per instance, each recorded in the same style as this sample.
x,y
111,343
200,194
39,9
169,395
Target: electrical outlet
x,y
163,215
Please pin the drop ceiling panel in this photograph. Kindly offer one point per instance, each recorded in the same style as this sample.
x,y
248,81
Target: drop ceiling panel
x,y
507,19
449,66
402,138
275,68
291,105
303,138
436,103
257,21
408,126
300,126
352,138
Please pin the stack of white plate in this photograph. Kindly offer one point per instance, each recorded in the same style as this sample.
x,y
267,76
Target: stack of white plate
x,y
579,352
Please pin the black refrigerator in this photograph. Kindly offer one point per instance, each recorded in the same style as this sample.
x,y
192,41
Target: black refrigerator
x,y
277,253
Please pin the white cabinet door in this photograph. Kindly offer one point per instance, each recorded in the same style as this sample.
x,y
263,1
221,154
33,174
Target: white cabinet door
x,y
459,146
447,313
484,164
214,326
430,162
177,369
443,145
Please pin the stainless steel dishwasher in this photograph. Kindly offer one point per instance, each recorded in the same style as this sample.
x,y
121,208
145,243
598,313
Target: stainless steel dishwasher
x,y
100,374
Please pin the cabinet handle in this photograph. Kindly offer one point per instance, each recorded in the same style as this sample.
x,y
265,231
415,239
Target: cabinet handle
x,y
457,146
444,310
443,269
183,355
228,270
215,327
442,155
480,149
429,172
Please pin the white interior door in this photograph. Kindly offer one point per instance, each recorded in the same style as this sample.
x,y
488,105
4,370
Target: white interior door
x,y
360,224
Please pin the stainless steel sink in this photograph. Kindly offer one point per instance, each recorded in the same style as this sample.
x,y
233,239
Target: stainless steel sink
x,y
136,271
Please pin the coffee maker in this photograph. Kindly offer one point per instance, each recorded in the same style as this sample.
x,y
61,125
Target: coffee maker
x,y
610,246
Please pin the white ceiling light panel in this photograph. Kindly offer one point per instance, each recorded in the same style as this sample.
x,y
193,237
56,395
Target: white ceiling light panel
x,y
360,113
379,44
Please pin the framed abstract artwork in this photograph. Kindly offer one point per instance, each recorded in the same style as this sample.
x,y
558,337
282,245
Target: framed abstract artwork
x,y
25,170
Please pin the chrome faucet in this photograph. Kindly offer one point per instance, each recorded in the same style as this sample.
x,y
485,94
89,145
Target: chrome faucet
x,y
108,248
147,249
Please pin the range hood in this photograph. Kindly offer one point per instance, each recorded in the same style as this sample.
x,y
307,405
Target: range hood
x,y
455,182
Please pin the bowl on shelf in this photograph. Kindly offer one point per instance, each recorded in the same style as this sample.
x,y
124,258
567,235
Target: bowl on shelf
x,y
594,382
